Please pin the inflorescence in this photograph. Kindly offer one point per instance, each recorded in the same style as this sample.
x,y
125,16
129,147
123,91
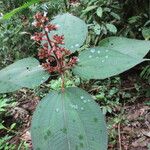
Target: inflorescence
x,y
56,58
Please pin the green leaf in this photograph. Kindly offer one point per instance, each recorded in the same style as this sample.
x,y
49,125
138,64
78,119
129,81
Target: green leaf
x,y
116,16
132,47
99,12
146,33
23,73
106,9
2,126
101,63
68,121
74,30
115,56
134,19
3,104
12,126
111,28
13,12
97,29
89,8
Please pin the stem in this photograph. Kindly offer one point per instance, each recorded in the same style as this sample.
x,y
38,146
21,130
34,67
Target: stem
x,y
10,130
63,82
49,41
98,39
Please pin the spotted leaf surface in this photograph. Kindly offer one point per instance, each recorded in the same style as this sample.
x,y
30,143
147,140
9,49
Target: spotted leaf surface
x,y
23,73
115,56
73,29
101,63
68,121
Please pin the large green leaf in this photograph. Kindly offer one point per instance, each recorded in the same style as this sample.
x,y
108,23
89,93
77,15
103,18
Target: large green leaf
x,y
74,30
13,12
68,121
115,56
23,73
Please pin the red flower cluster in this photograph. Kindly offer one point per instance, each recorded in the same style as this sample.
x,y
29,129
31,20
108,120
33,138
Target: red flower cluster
x,y
57,58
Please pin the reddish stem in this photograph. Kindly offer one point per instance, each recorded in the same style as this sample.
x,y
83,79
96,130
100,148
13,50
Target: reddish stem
x,y
57,60
59,63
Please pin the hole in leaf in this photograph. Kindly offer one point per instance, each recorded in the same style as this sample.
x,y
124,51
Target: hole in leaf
x,y
28,68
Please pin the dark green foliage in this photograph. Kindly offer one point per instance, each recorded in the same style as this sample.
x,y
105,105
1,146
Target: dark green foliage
x,y
106,17
15,40
103,18
11,4
16,10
